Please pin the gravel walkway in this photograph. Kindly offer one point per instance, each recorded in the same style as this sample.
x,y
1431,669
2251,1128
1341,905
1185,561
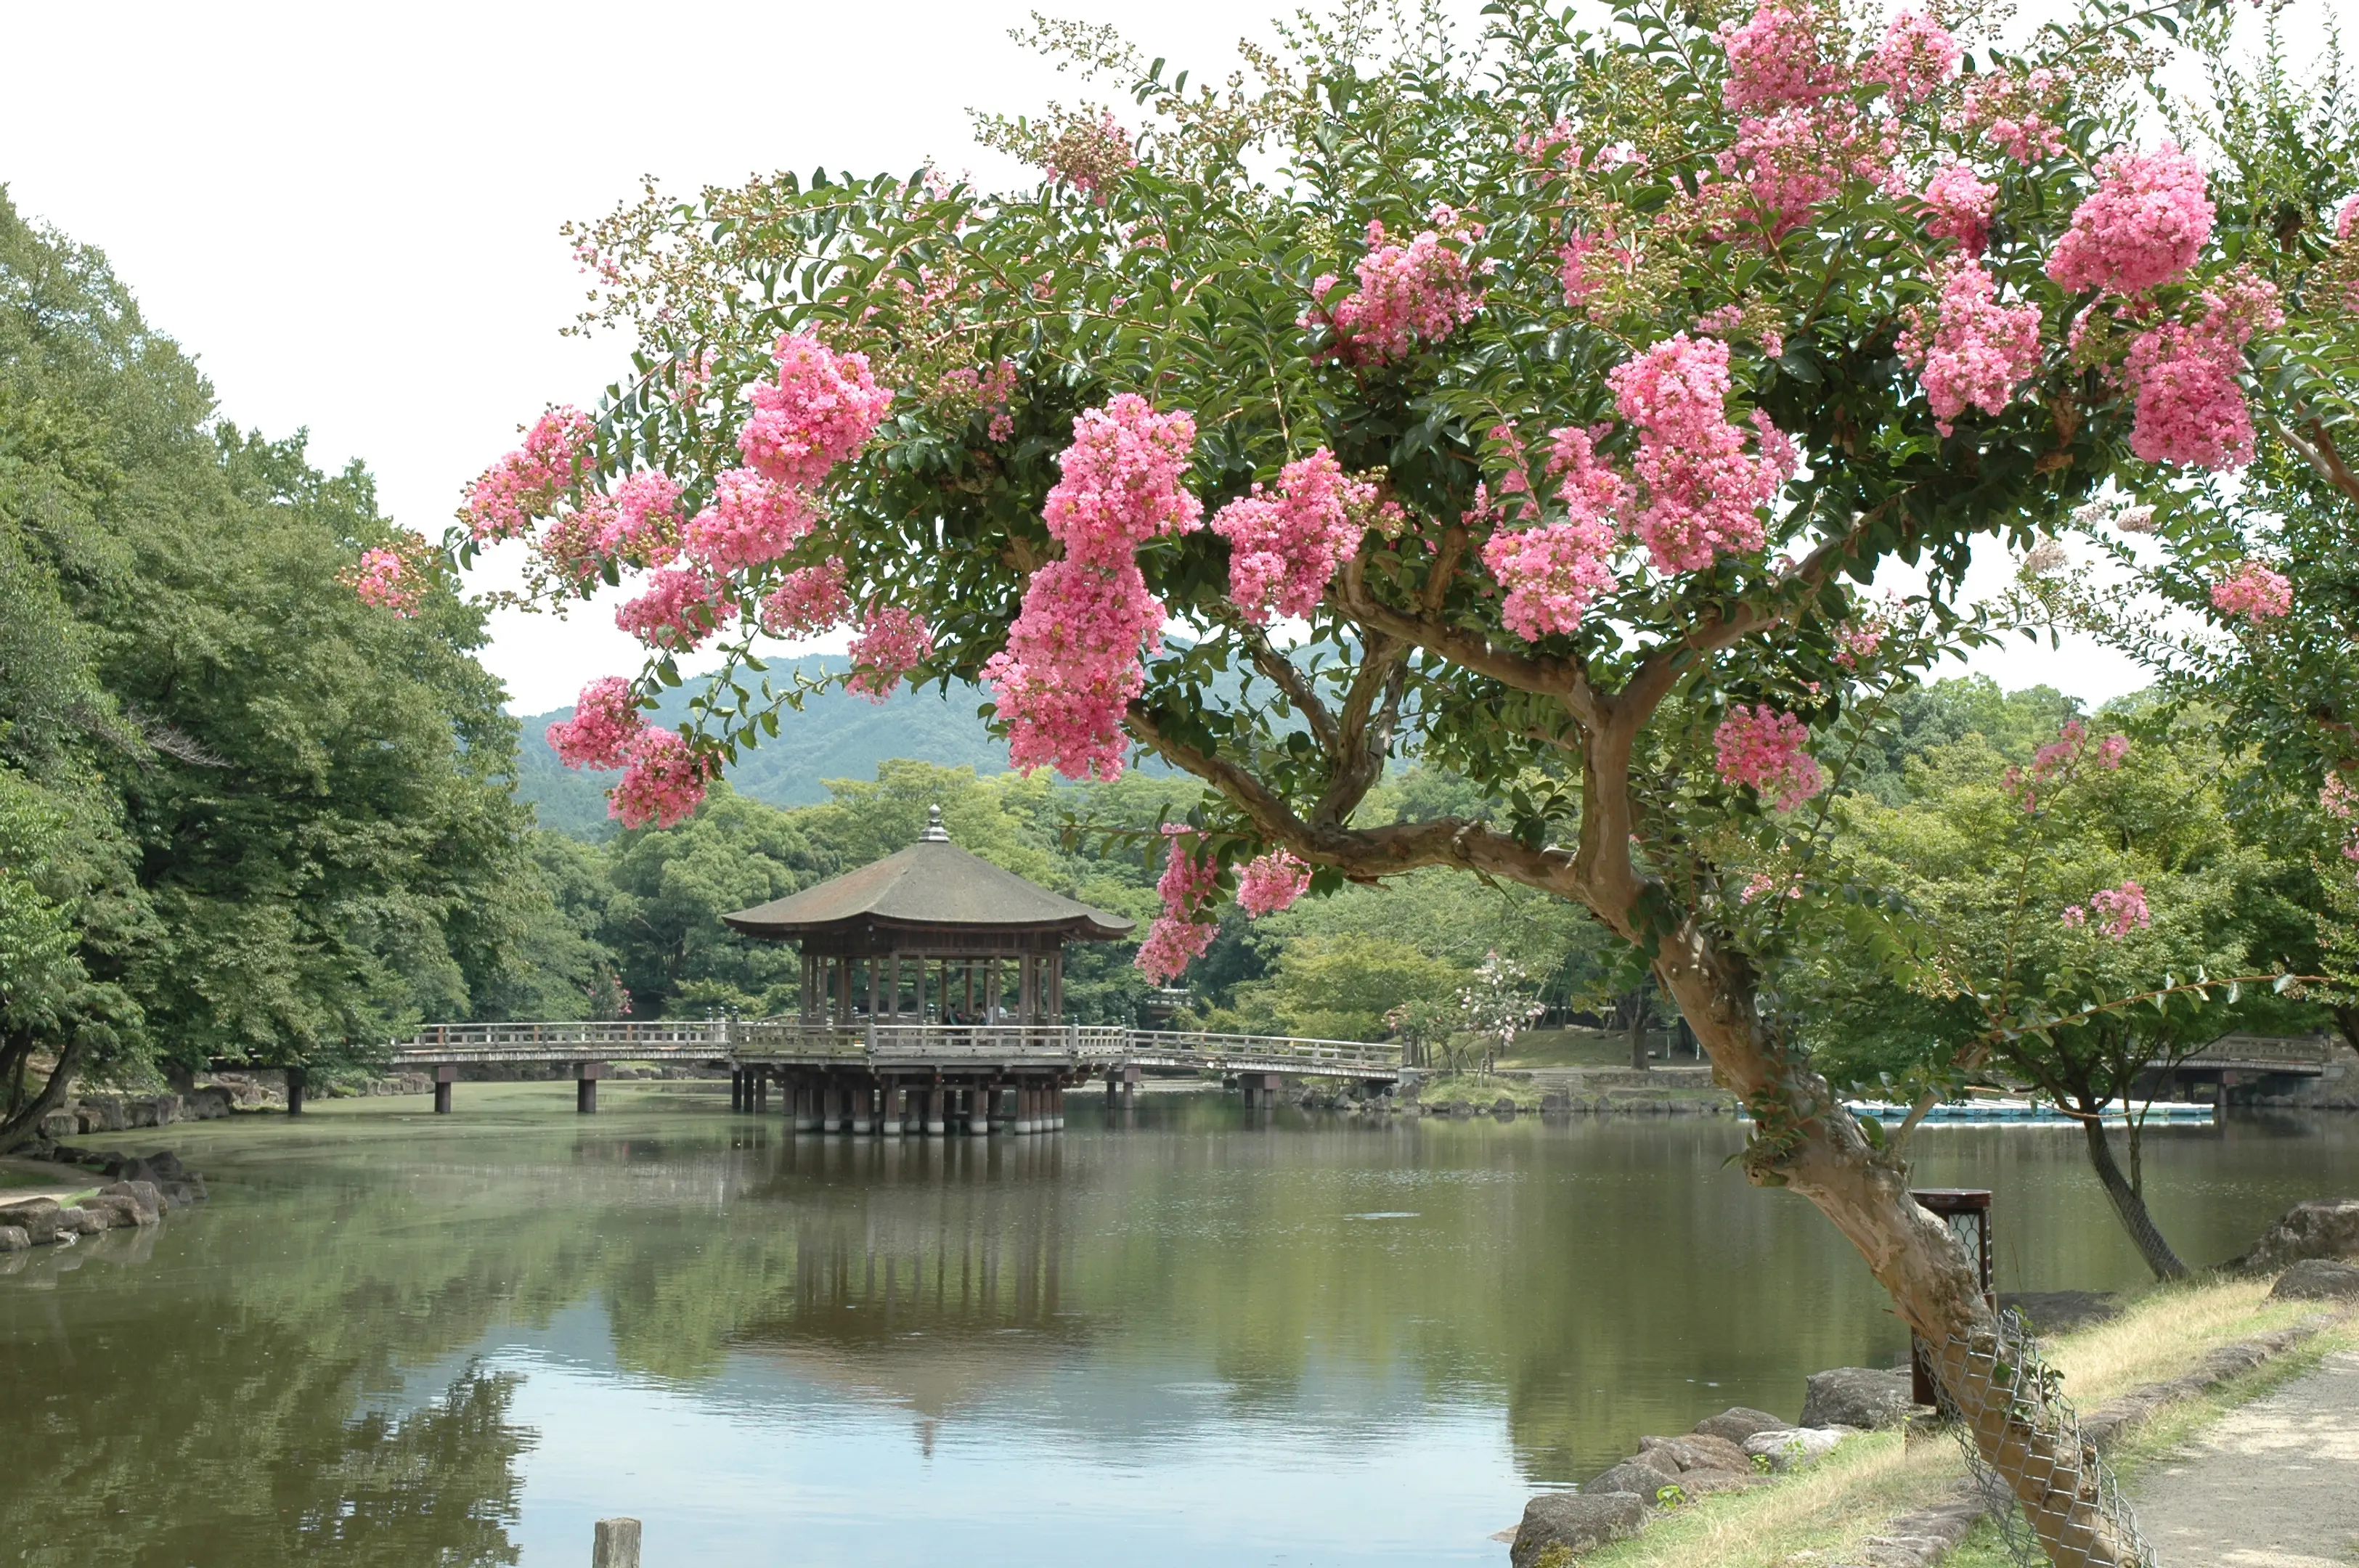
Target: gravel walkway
x,y
2272,1485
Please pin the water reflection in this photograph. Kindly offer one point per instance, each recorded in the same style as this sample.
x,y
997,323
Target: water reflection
x,y
402,1340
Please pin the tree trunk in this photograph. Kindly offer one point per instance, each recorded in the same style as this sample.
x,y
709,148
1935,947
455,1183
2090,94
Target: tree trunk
x,y
2129,1205
1638,1029
19,1127
1803,1139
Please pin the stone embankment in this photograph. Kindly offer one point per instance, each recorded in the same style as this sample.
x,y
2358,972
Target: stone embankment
x,y
1726,1453
139,1190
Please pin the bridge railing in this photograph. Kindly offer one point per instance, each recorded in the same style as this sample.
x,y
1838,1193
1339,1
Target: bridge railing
x,y
1283,1049
886,1042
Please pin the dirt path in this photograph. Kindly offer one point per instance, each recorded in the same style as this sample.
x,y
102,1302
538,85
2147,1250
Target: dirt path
x,y
2273,1485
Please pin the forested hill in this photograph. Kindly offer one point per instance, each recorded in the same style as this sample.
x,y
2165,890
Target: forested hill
x,y
836,736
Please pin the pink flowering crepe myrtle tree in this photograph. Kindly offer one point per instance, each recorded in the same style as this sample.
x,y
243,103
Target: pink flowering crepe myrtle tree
x,y
1541,421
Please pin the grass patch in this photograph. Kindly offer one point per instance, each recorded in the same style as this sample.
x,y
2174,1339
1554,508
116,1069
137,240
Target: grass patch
x,y
1827,1511
1482,1093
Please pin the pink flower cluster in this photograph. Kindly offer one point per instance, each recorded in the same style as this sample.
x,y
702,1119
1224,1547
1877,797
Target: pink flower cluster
x,y
1779,58
2060,759
991,390
1284,547
1123,482
1791,160
1762,884
1071,667
1090,156
890,643
528,482
2254,591
680,608
1270,882
752,520
2190,406
1962,205
1763,748
664,779
1071,664
385,580
637,523
604,724
808,602
1705,495
1854,645
2119,910
1183,931
2019,114
1970,349
1554,572
1422,291
2142,226
817,414
1916,56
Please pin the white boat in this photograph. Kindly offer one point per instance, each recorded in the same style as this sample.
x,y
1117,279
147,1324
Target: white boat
x,y
2035,1113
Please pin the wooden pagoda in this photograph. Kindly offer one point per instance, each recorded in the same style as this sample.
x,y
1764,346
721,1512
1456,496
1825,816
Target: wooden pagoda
x,y
933,973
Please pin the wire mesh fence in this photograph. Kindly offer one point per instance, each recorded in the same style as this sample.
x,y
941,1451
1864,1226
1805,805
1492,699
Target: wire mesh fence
x,y
2053,1495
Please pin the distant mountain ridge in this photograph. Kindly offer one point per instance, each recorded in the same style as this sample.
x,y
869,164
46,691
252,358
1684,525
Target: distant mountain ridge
x,y
836,736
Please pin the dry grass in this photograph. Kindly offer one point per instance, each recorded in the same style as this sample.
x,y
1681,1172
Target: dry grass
x,y
1821,1514
2164,1333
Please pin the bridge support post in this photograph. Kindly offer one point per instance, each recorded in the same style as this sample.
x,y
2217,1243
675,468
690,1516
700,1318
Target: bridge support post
x,y
586,1086
761,1091
937,1124
999,1108
736,1091
863,1108
1056,1108
978,1111
294,1091
803,1104
1027,1109
445,1075
896,1117
1261,1090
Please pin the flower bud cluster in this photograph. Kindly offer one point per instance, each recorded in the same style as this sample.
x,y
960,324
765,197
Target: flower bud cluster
x,y
1762,748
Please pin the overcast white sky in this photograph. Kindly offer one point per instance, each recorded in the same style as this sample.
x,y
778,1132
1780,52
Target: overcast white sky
x,y
349,214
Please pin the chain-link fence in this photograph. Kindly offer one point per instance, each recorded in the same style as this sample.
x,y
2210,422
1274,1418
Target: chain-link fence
x,y
2071,1514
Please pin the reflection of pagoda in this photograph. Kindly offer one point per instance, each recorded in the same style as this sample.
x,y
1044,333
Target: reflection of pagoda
x,y
932,985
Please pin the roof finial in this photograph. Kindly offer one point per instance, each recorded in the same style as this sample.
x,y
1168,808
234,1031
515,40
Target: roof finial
x,y
934,833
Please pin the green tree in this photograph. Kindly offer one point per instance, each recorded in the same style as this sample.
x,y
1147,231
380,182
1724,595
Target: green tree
x,y
2021,903
306,796
1542,375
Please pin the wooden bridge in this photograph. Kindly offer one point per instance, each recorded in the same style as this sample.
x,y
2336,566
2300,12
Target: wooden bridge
x,y
898,1075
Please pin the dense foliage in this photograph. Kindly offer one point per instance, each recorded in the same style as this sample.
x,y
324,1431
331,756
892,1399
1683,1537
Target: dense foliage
x,y
247,818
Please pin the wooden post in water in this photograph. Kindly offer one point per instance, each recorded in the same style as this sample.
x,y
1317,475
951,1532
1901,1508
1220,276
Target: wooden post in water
x,y
615,1544
294,1091
586,1086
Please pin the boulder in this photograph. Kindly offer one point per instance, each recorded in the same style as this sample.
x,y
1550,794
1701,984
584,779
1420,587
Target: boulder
x,y
118,1213
1577,1521
180,1194
13,1238
167,1166
2323,1228
1630,1475
1795,1446
2318,1279
60,1124
1862,1396
1697,1452
143,1195
83,1222
1736,1424
208,1103
27,1211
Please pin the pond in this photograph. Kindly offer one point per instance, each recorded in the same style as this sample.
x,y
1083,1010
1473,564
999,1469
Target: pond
x,y
393,1338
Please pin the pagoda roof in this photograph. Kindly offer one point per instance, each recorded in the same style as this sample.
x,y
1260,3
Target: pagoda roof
x,y
932,883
